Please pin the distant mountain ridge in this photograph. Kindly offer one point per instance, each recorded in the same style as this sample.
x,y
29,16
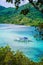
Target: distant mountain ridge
x,y
11,11
11,15
2,8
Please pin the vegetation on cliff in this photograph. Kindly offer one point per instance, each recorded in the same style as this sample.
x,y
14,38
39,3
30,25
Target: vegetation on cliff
x,y
9,57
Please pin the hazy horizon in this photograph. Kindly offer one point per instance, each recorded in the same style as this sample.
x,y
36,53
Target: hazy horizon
x,y
6,4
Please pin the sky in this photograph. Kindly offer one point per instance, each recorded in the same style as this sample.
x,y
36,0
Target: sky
x,y
3,3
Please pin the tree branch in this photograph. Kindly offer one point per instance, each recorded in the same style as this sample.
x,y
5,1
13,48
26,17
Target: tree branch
x,y
31,1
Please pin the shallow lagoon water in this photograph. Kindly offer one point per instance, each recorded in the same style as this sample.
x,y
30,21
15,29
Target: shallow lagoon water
x,y
9,35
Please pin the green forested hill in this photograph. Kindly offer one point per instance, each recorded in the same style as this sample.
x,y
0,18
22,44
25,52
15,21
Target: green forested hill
x,y
13,16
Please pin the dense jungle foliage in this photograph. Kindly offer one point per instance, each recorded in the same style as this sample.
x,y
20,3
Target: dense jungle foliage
x,y
9,57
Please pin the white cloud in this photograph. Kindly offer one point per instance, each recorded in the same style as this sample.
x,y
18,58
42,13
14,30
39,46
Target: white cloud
x,y
3,3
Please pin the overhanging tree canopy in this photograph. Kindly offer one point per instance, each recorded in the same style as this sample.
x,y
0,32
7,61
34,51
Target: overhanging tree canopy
x,y
37,4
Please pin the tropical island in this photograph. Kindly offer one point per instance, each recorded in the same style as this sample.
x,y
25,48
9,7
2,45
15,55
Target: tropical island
x,y
25,15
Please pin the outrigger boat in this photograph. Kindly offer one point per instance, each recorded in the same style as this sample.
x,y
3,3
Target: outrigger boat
x,y
23,39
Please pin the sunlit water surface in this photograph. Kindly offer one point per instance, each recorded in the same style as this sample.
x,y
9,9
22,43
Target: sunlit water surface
x,y
10,35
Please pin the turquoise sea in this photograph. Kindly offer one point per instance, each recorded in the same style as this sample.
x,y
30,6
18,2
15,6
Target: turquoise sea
x,y
23,38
